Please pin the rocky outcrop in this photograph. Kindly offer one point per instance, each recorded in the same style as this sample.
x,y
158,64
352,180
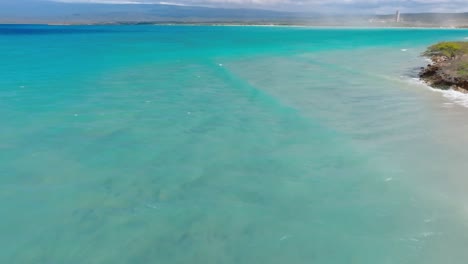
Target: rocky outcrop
x,y
446,72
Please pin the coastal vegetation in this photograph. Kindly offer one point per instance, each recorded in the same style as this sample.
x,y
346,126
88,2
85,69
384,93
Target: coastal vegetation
x,y
449,49
449,67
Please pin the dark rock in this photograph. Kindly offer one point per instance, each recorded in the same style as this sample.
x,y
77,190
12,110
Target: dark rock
x,y
441,74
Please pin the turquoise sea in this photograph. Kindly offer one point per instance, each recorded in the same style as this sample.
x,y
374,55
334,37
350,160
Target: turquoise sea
x,y
228,144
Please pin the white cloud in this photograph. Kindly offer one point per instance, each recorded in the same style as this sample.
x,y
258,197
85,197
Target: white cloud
x,y
374,6
119,2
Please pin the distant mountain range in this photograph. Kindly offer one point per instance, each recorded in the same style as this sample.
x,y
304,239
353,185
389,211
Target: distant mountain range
x,y
56,12
27,11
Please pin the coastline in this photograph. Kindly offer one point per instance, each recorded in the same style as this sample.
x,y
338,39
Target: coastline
x,y
448,69
240,24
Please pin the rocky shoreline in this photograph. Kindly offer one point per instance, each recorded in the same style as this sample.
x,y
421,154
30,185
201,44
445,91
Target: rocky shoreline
x,y
449,67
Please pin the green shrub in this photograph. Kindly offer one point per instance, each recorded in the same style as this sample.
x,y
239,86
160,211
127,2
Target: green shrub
x,y
462,69
449,49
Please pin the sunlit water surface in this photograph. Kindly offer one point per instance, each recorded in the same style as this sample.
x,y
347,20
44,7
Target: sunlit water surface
x,y
191,144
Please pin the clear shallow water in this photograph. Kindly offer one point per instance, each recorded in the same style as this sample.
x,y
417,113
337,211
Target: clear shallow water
x,y
174,144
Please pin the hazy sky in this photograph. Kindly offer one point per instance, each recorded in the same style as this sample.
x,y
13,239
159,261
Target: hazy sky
x,y
339,6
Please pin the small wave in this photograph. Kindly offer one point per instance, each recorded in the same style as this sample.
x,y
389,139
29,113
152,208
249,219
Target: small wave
x,y
427,234
454,96
428,220
404,49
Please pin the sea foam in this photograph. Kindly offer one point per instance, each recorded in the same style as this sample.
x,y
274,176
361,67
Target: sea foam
x,y
454,96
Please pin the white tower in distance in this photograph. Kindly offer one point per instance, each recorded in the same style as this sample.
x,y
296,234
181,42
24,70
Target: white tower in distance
x,y
397,16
